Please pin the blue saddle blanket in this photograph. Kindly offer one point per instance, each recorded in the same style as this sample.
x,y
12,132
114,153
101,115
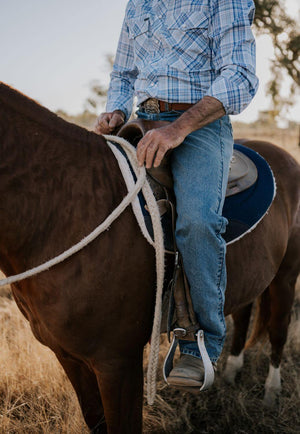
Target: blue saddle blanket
x,y
243,210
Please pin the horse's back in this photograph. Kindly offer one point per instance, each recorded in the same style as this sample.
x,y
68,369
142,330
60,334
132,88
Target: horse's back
x,y
257,257
285,168
286,171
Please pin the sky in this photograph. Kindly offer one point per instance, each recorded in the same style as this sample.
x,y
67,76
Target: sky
x,y
52,50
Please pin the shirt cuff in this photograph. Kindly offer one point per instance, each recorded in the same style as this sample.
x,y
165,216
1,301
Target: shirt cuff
x,y
233,91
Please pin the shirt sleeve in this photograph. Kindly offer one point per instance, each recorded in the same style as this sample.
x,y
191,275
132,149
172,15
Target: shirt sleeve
x,y
233,54
122,78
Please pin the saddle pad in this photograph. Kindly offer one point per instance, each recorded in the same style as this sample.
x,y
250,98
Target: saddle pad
x,y
244,210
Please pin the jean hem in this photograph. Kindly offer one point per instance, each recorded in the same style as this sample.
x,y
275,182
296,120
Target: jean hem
x,y
197,355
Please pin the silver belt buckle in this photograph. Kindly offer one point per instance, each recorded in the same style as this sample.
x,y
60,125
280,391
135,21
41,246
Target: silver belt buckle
x,y
151,105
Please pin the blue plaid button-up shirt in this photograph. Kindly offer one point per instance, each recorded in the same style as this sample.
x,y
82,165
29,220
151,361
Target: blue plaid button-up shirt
x,y
182,50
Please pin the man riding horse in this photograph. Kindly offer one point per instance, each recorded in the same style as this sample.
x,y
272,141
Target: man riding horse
x,y
193,64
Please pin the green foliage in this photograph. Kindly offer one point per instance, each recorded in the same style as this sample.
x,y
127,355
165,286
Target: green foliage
x,y
272,19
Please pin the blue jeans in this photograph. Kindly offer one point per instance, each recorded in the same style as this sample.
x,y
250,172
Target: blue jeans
x,y
200,167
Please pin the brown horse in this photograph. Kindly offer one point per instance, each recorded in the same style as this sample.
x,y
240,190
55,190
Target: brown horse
x,y
95,310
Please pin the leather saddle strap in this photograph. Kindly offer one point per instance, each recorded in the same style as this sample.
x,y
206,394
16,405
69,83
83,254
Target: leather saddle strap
x,y
180,291
185,315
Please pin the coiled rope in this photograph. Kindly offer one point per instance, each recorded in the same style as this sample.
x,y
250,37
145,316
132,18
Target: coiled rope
x,y
133,190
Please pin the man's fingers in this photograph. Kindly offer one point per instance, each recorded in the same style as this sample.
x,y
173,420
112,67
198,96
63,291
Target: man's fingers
x,y
99,130
115,121
107,122
159,156
150,153
102,122
141,150
102,129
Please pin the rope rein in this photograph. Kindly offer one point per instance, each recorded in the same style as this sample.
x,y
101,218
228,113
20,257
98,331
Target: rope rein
x,y
160,260
133,190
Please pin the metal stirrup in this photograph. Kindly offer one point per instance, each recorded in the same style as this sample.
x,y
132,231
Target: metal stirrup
x,y
209,373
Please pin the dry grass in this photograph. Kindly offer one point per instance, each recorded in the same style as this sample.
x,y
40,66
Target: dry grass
x,y
36,397
235,409
287,138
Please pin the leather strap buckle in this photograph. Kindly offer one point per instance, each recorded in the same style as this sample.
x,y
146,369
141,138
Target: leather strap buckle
x,y
153,105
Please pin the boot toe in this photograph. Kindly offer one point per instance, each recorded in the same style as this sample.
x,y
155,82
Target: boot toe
x,y
188,372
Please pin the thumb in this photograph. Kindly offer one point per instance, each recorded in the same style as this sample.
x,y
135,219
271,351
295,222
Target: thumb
x,y
116,120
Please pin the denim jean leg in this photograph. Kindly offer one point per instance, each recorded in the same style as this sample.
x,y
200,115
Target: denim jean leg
x,y
200,170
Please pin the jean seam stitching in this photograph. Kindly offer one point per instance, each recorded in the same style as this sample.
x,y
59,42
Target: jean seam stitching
x,y
222,247
221,172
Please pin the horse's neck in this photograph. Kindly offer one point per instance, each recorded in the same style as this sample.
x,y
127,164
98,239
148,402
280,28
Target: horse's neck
x,y
53,192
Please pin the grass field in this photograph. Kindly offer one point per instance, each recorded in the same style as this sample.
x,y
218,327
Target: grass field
x,y
36,397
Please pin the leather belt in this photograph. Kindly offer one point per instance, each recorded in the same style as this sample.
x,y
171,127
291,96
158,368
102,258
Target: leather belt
x,y
153,105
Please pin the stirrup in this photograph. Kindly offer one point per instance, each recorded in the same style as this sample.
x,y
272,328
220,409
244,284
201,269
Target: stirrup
x,y
209,373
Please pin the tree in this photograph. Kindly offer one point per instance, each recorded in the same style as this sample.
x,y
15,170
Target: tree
x,y
98,90
272,19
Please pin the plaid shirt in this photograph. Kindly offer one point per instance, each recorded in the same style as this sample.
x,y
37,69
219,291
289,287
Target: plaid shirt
x,y
182,50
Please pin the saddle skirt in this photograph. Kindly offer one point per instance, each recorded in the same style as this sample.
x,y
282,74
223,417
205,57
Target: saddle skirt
x,y
250,190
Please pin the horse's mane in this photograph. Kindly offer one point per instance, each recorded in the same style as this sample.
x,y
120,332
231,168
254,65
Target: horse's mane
x,y
37,113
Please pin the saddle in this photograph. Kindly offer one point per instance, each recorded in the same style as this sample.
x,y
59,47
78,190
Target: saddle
x,y
242,175
242,170
178,312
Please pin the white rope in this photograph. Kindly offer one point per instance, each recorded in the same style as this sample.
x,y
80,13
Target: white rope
x,y
141,177
159,250
133,190
129,181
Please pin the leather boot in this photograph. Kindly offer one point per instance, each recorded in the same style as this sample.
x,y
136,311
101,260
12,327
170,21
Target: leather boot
x,y
188,372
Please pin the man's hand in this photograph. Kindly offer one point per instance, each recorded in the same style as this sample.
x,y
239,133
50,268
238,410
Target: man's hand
x,y
154,145
107,122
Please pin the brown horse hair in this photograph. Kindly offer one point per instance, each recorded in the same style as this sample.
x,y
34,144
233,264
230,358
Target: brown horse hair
x,y
96,310
37,113
261,319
